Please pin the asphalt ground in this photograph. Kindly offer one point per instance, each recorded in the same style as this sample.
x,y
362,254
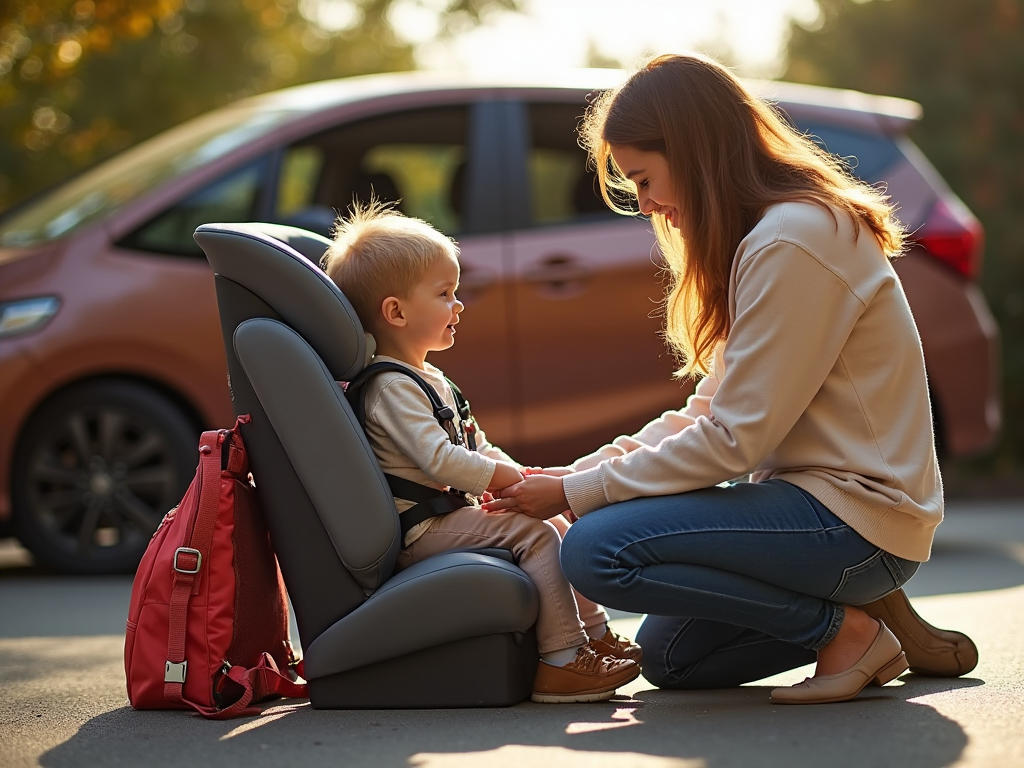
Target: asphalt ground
x,y
64,703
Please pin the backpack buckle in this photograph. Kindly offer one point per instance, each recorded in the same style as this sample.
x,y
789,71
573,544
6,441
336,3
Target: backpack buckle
x,y
187,551
174,672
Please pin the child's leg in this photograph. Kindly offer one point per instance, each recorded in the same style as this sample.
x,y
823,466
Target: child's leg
x,y
534,543
595,619
593,616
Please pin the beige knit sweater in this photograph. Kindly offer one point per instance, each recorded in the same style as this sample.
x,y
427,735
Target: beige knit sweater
x,y
821,383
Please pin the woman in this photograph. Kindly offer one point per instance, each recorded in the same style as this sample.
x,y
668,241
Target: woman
x,y
783,298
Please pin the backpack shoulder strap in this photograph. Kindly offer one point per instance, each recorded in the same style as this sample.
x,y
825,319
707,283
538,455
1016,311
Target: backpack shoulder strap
x,y
188,560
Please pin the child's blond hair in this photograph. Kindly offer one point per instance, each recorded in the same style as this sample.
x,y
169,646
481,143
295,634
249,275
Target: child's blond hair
x,y
378,252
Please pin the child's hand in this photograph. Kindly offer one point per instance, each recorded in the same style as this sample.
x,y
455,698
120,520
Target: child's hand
x,y
505,474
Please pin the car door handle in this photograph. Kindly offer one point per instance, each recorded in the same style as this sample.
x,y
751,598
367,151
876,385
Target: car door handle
x,y
559,276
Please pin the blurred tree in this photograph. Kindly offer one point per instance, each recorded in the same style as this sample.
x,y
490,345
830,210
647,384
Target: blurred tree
x,y
81,79
964,62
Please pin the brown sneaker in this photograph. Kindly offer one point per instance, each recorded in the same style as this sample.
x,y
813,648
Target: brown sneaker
x,y
930,651
591,676
614,644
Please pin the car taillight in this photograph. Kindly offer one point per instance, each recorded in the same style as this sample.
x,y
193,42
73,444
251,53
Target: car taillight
x,y
954,236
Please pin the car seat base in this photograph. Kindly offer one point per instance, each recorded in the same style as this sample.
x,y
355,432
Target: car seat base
x,y
488,671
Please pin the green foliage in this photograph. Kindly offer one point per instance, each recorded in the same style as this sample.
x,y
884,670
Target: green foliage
x,y
81,79
964,62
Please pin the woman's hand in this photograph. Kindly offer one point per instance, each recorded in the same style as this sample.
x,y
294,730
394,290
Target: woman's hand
x,y
538,496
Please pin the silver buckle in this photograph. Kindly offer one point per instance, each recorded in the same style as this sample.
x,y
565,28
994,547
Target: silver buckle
x,y
174,672
188,551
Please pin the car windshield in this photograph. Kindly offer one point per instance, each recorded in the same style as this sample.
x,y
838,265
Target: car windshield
x,y
125,177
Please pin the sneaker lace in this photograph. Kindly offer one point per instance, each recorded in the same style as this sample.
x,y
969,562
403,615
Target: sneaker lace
x,y
589,660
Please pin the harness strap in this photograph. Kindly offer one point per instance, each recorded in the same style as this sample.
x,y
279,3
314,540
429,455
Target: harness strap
x,y
468,423
430,502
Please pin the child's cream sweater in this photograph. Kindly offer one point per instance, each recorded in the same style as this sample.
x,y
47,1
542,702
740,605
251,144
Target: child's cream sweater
x,y
821,383
409,443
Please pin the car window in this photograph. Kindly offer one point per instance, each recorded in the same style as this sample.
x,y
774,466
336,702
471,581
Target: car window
x,y
232,198
298,176
562,189
416,159
134,172
869,154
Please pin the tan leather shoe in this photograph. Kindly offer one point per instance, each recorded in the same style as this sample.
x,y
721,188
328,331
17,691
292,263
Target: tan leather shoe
x,y
883,661
614,644
591,676
930,650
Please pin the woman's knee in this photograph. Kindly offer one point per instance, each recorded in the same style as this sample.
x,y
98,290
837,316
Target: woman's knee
x,y
655,636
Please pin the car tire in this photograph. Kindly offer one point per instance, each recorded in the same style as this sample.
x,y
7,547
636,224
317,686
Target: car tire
x,y
95,471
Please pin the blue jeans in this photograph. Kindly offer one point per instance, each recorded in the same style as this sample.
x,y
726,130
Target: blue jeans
x,y
739,582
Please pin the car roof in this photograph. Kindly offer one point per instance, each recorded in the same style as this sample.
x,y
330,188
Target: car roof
x,y
802,102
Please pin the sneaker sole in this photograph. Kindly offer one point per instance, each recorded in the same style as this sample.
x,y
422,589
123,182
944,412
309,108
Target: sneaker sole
x,y
583,696
571,698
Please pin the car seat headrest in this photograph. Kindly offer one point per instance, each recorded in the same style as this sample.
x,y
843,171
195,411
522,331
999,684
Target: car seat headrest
x,y
276,263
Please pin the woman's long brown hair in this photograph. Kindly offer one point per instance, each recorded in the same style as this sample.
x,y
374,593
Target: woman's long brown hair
x,y
731,156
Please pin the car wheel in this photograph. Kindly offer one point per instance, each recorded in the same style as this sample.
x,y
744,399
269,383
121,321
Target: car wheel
x,y
96,469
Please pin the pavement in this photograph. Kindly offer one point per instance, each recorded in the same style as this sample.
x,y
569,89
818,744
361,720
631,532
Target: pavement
x,y
64,703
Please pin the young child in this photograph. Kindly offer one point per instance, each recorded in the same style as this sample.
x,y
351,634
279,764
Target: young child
x,y
401,276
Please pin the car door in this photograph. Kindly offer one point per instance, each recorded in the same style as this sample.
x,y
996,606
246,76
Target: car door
x,y
443,164
586,287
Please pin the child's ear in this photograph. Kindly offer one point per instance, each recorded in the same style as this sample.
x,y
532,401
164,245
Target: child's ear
x,y
391,310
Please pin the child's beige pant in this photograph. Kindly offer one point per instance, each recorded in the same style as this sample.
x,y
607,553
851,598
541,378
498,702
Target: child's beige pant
x,y
535,543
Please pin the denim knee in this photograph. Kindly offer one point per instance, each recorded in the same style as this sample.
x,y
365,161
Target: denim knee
x,y
654,666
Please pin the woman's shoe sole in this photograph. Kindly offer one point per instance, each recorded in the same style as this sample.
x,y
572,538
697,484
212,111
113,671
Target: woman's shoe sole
x,y
886,674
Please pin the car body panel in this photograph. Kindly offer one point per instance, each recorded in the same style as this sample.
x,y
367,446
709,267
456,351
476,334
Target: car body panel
x,y
950,313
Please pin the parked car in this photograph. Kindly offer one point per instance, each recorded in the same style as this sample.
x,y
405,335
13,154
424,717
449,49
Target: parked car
x,y
111,359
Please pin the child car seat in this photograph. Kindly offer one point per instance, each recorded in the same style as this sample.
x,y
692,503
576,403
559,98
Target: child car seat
x,y
455,630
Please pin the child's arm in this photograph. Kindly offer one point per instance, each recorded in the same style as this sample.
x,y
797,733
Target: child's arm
x,y
505,474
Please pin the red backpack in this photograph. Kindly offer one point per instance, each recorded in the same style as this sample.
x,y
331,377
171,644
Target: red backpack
x,y
208,619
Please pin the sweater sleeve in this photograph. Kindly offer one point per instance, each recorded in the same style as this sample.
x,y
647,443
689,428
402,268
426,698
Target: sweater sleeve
x,y
792,317
405,414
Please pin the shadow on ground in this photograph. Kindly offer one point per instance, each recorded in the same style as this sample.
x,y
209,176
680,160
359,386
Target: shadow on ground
x,y
655,729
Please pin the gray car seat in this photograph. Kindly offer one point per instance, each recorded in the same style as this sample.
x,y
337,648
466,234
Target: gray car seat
x,y
455,630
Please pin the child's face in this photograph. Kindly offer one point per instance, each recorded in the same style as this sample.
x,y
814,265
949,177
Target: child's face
x,y
431,309
650,175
